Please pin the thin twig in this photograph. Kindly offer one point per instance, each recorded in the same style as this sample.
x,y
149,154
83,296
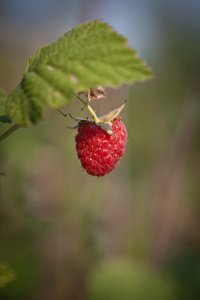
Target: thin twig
x,y
9,131
89,108
61,111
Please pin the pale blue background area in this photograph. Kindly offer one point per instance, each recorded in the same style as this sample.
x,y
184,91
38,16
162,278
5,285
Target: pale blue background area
x,y
139,20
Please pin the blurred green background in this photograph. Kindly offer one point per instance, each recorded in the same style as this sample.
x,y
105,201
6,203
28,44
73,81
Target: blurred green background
x,y
133,234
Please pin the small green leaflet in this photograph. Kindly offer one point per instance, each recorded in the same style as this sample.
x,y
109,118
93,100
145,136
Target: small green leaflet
x,y
88,55
3,117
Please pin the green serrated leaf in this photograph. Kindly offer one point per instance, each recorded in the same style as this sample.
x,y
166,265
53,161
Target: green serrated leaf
x,y
31,59
3,117
88,55
17,106
6,275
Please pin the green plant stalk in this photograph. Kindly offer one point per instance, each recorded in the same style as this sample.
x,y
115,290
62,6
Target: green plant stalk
x,y
89,108
9,131
61,111
85,103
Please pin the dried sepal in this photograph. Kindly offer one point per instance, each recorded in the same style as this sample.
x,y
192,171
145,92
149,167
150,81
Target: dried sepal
x,y
104,122
111,115
82,119
73,127
106,126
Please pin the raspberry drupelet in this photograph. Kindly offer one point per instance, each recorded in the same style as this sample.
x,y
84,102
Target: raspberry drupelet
x,y
98,151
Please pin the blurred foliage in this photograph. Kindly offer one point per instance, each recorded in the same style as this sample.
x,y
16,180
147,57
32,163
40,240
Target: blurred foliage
x,y
6,275
116,280
184,268
2,101
60,229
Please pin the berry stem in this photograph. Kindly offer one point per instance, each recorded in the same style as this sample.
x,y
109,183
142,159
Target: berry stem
x,y
89,108
61,111
9,132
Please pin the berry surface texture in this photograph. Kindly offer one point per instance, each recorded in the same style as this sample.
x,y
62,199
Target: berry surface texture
x,y
98,151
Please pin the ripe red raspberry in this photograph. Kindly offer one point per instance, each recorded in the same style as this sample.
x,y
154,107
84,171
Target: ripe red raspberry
x,y
98,151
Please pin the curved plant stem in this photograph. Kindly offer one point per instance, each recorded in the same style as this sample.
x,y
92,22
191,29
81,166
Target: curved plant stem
x,y
61,111
9,132
89,108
